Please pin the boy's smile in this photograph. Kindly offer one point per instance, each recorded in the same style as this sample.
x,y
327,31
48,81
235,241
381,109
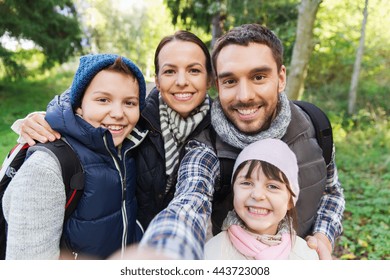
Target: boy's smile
x,y
112,101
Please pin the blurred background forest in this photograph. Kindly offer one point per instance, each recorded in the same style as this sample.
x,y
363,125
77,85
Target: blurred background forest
x,y
336,51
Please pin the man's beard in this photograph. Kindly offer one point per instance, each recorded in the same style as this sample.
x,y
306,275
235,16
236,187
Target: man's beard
x,y
266,125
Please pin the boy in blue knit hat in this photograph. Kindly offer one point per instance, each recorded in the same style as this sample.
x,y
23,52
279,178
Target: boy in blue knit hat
x,y
97,117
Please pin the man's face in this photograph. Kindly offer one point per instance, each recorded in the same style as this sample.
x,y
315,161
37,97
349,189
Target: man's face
x,y
248,85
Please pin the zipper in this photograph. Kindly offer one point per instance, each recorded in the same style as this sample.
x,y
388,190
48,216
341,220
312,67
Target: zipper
x,y
123,206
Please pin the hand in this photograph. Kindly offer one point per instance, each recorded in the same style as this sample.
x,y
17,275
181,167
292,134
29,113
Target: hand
x,y
36,128
321,244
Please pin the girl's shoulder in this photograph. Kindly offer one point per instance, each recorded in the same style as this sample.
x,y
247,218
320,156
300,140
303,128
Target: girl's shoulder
x,y
219,247
301,251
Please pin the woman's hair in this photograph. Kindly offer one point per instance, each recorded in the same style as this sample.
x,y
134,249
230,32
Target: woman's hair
x,y
184,36
272,173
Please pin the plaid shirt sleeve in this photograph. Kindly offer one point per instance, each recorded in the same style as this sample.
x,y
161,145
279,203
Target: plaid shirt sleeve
x,y
332,205
179,231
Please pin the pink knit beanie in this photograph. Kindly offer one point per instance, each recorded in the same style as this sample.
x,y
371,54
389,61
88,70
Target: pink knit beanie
x,y
277,153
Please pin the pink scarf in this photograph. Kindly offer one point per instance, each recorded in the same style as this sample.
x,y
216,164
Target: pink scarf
x,y
249,246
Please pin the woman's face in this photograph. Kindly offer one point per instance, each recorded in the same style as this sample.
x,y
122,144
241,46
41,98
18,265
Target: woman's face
x,y
182,79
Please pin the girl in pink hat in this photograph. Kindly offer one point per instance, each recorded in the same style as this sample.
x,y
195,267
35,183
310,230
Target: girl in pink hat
x,y
261,226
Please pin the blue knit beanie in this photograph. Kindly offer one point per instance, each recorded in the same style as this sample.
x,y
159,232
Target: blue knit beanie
x,y
92,64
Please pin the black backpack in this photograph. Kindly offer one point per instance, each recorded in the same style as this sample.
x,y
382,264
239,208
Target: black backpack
x,y
322,126
72,175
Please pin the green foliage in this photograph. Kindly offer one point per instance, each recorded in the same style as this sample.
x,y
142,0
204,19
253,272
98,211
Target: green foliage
x,y
280,16
9,66
197,13
20,97
364,172
362,141
124,28
362,145
21,64
337,41
52,25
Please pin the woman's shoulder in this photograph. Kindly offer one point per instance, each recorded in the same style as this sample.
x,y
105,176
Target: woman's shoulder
x,y
301,251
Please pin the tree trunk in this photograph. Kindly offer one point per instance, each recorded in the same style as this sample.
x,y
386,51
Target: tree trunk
x,y
303,48
216,28
356,67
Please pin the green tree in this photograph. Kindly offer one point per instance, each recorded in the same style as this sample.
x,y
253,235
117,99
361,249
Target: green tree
x,y
356,67
52,25
303,48
216,17
129,29
337,33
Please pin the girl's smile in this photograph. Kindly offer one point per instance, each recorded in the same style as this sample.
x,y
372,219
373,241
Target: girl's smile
x,y
260,202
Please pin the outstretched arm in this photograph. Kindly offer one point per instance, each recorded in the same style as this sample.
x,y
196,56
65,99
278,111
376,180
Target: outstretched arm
x,y
328,224
179,231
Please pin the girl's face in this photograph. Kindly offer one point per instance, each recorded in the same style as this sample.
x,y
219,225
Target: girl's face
x,y
260,202
182,79
112,101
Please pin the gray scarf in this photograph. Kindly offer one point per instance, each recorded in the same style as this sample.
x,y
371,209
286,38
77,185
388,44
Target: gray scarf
x,y
176,129
231,135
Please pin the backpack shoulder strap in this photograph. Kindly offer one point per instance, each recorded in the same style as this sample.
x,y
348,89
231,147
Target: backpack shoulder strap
x,y
223,194
12,164
322,127
72,173
226,165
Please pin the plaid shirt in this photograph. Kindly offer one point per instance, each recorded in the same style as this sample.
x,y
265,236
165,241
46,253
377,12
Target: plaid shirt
x,y
179,231
330,211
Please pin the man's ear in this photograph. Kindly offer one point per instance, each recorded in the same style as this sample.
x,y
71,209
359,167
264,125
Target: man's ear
x,y
282,79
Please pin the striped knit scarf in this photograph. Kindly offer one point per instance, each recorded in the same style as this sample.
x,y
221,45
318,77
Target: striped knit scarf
x,y
176,129
231,135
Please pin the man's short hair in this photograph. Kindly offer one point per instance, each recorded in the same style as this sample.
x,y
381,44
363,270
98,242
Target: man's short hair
x,y
250,33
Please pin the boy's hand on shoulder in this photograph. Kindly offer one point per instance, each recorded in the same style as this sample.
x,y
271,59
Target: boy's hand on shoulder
x,y
321,244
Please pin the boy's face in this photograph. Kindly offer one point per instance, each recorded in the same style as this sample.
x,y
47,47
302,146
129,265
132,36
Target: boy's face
x,y
112,101
260,202
248,84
